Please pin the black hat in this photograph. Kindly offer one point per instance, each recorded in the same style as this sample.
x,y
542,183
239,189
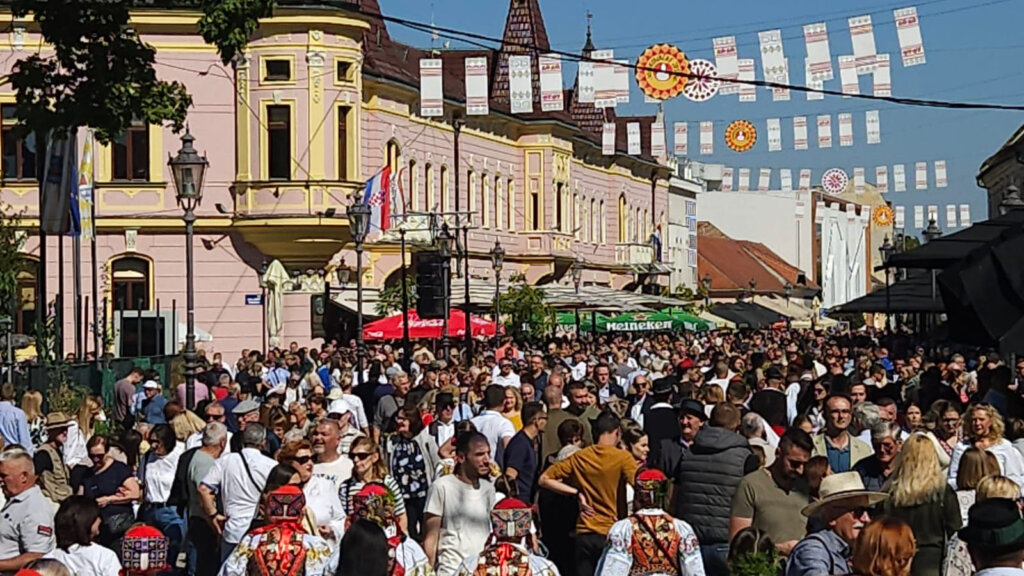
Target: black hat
x,y
444,399
663,385
995,526
694,408
773,373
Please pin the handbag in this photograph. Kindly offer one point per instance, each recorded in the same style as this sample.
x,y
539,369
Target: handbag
x,y
118,524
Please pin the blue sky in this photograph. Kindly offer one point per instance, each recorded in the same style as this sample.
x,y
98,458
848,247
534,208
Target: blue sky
x,y
973,49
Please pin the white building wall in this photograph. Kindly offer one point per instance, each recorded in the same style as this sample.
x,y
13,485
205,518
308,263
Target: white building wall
x,y
681,238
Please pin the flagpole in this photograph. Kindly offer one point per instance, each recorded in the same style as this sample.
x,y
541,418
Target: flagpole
x,y
76,250
94,271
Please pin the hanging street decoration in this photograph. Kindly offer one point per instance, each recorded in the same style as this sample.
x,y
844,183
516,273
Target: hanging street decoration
x,y
741,136
834,181
703,83
882,216
662,72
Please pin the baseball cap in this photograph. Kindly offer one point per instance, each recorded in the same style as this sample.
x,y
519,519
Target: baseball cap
x,y
150,385
339,406
246,406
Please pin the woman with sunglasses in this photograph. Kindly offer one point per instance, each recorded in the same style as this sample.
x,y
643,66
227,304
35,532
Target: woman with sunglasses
x,y
113,487
321,497
368,466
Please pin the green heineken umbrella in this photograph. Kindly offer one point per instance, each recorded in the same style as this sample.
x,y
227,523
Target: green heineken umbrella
x,y
654,322
569,319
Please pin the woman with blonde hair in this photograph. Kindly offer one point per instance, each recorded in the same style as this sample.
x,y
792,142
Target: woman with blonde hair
x,y
512,410
920,496
983,428
957,561
885,547
32,406
974,465
368,466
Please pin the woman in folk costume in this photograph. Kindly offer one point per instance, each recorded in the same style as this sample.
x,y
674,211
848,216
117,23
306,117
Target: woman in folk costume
x,y
374,502
282,547
509,550
650,542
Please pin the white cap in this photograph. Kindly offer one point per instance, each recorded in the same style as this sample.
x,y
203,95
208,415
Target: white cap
x,y
339,406
150,385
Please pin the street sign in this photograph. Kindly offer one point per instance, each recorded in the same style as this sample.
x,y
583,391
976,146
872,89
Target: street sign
x,y
254,300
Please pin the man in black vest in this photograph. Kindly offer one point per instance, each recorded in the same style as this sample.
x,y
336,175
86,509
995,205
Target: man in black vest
x,y
660,420
691,418
705,479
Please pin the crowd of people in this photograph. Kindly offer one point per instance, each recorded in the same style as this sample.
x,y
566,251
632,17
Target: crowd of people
x,y
752,453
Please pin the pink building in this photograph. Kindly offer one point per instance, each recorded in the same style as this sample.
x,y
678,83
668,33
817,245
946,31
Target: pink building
x,y
322,101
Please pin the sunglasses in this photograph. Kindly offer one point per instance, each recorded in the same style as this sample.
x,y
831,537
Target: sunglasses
x,y
302,459
359,456
97,457
216,417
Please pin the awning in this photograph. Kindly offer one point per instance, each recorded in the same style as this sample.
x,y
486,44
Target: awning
x,y
589,298
390,328
747,314
791,308
913,295
675,321
945,251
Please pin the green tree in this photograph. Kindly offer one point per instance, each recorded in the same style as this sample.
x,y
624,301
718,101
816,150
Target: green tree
x,y
390,300
527,316
11,262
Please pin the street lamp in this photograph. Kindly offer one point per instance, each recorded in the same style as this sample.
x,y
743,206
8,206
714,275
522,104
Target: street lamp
x,y
264,266
188,169
577,274
497,262
445,240
886,250
787,289
359,224
705,283
932,231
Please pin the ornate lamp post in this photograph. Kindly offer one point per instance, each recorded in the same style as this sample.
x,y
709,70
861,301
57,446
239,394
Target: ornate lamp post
x,y
445,241
705,283
359,224
188,169
497,262
577,274
886,250
932,231
787,289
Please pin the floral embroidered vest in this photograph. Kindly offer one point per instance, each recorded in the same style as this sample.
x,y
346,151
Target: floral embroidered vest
x,y
654,546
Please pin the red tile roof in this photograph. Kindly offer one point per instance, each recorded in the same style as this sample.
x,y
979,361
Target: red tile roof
x,y
732,264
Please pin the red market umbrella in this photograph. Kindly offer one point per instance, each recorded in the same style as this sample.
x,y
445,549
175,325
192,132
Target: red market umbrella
x,y
390,328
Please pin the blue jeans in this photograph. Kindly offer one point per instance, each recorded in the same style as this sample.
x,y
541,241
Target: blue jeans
x,y
715,559
167,520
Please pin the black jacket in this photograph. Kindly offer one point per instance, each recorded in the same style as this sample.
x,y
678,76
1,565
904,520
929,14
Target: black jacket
x,y
661,423
706,478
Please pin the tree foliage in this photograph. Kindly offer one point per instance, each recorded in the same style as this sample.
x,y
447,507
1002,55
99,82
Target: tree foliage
x,y
100,74
390,299
11,262
527,316
228,24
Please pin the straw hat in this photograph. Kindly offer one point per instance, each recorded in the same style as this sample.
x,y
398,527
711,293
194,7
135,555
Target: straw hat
x,y
57,420
846,489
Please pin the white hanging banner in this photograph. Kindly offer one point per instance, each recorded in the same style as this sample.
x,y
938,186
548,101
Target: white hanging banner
x,y
680,130
899,178
621,74
965,215
801,210
605,92
727,177
845,130
874,126
933,213
658,139
950,215
900,217
773,58
764,179
786,177
940,174
707,138
882,76
862,34
849,84
812,83
882,179
551,95
800,132
782,94
908,30
744,179
805,179
727,63
633,138
824,131
608,139
431,88
819,57
921,176
918,216
476,87
585,81
858,180
520,84
819,212
748,92
774,135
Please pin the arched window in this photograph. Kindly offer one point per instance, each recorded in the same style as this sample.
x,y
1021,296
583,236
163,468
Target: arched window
x,y
584,221
132,283
559,208
499,204
393,156
604,224
414,187
25,298
485,202
472,194
594,222
623,220
510,205
446,200
431,199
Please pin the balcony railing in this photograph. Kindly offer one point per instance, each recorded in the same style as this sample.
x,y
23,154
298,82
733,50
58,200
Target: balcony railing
x,y
554,243
283,198
632,254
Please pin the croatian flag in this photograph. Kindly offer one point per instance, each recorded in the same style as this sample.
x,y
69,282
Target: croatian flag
x,y
378,197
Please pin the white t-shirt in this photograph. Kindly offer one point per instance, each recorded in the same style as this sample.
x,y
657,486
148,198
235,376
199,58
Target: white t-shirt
x,y
91,560
495,427
239,494
465,514
336,472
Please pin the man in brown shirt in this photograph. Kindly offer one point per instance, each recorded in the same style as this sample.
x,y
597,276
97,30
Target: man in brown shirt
x,y
594,476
